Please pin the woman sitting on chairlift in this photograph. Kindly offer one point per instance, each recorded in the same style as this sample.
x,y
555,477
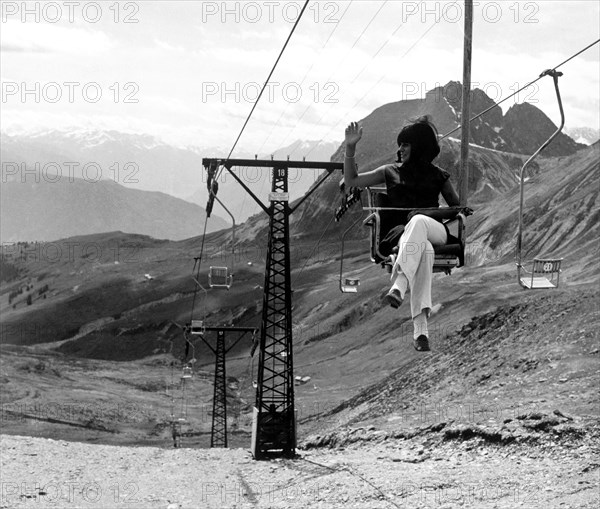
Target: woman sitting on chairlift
x,y
413,182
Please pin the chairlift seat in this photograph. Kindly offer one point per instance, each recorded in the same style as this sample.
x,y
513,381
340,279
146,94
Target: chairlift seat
x,y
545,273
349,285
381,221
197,328
187,372
219,277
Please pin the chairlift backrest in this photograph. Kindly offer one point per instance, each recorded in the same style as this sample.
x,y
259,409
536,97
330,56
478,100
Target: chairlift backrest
x,y
545,273
197,328
349,285
219,277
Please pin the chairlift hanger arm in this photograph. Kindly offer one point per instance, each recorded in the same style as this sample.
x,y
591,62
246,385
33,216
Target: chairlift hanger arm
x,y
342,285
518,255
555,75
230,215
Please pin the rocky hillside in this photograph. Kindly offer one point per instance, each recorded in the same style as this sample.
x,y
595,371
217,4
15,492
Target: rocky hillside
x,y
521,130
562,213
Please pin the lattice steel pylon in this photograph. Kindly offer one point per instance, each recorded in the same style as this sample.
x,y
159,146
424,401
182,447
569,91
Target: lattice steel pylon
x,y
218,434
274,425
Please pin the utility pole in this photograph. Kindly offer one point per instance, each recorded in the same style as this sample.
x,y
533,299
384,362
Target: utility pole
x,y
466,103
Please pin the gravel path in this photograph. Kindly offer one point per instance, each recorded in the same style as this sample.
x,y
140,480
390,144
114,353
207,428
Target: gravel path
x,y
41,473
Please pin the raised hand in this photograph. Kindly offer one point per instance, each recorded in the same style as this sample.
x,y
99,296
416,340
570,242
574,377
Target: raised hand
x,y
353,134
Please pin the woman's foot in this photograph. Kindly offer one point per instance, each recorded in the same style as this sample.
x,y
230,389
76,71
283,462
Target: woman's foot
x,y
393,298
421,343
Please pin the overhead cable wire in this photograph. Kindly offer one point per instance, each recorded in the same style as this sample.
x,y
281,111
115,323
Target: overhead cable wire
x,y
268,78
345,115
306,74
335,70
333,73
522,88
211,190
368,24
378,51
338,23
288,104
197,262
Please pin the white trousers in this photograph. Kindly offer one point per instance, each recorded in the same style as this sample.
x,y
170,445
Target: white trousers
x,y
415,259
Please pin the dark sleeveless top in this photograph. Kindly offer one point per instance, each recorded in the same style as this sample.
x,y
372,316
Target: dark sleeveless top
x,y
413,186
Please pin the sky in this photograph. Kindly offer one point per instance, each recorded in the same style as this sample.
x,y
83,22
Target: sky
x,y
189,72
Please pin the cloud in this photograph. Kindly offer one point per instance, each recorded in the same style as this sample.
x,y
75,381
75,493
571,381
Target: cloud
x,y
168,47
45,38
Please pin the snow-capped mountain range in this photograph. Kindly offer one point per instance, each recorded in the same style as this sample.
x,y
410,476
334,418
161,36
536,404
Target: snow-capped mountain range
x,y
134,162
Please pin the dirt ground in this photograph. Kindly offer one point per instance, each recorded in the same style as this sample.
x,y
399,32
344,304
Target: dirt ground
x,y
371,470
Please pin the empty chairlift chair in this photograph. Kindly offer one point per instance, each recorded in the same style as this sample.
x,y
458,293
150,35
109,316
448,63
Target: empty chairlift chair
x,y
186,372
220,277
545,273
197,328
347,284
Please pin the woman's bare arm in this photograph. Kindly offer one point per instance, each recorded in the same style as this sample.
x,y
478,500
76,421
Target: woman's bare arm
x,y
351,176
450,195
452,199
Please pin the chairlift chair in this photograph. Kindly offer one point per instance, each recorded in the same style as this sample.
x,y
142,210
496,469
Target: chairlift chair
x,y
219,277
381,221
197,328
545,273
222,277
347,284
350,285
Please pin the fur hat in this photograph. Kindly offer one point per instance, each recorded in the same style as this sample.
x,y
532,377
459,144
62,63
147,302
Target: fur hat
x,y
422,136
